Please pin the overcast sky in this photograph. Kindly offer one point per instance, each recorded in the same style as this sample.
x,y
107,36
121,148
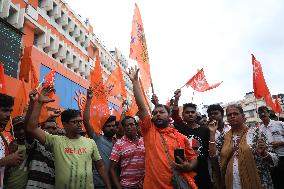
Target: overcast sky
x,y
185,35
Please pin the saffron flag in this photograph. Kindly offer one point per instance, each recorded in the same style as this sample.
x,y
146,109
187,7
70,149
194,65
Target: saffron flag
x,y
199,83
2,80
115,82
34,79
21,100
259,85
99,111
138,49
278,108
133,108
26,62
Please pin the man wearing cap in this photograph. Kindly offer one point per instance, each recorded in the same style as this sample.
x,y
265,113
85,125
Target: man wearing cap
x,y
274,131
16,176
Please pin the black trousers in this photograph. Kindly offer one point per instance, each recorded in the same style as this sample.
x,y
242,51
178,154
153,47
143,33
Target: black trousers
x,y
277,174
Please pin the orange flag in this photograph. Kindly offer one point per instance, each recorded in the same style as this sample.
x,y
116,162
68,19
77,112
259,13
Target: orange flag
x,y
26,63
278,108
133,108
99,111
144,96
21,100
34,79
115,83
2,80
259,85
138,48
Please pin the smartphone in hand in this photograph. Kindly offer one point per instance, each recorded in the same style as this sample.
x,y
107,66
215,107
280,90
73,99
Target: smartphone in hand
x,y
180,153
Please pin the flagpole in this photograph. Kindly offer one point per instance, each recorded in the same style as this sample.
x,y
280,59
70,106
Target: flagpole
x,y
192,96
256,108
180,89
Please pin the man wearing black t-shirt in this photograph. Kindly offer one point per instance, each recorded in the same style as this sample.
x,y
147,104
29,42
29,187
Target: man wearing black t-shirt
x,y
198,137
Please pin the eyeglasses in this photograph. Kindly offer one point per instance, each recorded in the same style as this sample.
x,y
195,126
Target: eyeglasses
x,y
76,122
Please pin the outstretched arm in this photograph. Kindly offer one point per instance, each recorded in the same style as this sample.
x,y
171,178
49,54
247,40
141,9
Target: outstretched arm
x,y
86,119
138,93
175,112
32,128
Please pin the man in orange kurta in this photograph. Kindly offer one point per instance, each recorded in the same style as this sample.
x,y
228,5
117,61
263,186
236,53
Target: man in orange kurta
x,y
158,171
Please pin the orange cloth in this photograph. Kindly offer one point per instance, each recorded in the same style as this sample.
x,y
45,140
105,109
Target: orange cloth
x,y
158,172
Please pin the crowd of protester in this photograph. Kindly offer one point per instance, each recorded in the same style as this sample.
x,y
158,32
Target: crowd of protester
x,y
164,149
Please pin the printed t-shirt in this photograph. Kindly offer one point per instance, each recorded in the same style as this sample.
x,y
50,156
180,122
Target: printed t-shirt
x,y
158,173
199,140
73,161
131,154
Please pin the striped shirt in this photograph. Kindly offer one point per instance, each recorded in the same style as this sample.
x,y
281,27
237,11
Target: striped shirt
x,y
41,166
132,157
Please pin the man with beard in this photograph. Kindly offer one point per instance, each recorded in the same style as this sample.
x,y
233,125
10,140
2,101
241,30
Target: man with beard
x,y
130,152
6,159
104,142
198,137
274,131
160,140
73,153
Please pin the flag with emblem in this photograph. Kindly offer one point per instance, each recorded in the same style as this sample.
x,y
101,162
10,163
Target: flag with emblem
x,y
138,49
259,84
99,107
49,80
199,83
2,80
117,82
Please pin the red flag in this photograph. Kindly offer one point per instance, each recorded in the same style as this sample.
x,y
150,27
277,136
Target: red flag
x,y
259,85
278,108
2,80
99,107
49,80
199,83
138,48
115,82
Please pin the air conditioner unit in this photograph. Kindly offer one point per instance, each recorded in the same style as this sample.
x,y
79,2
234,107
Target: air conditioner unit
x,y
71,26
63,20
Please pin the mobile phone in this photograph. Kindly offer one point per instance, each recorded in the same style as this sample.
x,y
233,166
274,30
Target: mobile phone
x,y
180,153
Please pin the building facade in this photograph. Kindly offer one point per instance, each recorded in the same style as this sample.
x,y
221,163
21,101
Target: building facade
x,y
49,35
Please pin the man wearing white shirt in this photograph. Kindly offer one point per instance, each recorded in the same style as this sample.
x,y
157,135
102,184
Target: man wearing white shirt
x,y
274,131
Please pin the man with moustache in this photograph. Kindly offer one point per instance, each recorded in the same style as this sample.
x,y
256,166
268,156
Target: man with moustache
x,y
160,140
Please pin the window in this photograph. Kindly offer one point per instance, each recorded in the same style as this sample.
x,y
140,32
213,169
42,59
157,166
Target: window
x,y
10,46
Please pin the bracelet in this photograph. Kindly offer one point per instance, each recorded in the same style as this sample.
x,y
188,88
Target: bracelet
x,y
212,142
